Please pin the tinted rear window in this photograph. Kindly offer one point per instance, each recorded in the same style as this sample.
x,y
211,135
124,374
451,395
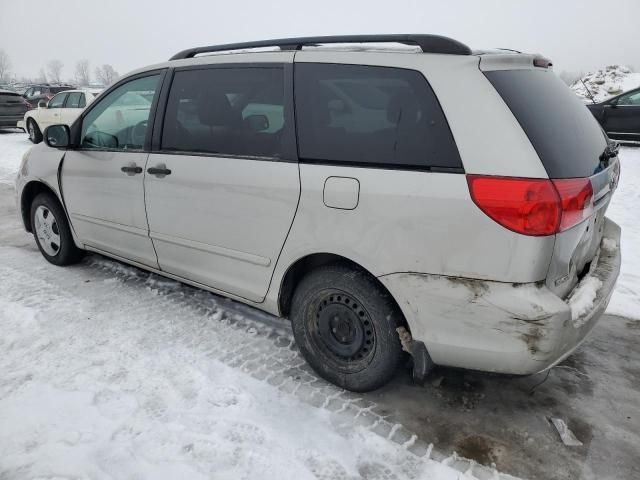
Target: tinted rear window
x,y
563,132
373,116
9,97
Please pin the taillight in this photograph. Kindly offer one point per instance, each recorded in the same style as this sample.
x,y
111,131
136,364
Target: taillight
x,y
529,206
576,197
533,206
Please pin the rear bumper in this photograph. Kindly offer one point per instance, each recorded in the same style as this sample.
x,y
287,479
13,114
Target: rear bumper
x,y
504,327
10,120
20,124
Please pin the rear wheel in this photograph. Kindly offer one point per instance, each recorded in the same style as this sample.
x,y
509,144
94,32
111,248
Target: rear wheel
x,y
51,231
345,324
35,135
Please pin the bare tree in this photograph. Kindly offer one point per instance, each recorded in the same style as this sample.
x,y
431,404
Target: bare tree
x,y
54,67
106,74
5,65
82,72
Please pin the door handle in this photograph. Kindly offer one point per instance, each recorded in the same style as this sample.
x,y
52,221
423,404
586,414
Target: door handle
x,y
131,169
159,171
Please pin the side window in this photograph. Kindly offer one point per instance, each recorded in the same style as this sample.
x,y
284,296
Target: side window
x,y
234,111
82,101
57,101
119,120
371,115
630,99
73,100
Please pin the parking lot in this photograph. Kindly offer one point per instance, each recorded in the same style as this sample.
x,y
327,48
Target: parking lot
x,y
135,342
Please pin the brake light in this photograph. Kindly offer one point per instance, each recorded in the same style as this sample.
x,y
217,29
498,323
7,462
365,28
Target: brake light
x,y
529,206
576,197
533,206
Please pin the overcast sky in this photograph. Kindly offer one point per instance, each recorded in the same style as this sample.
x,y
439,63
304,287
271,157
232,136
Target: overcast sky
x,y
578,35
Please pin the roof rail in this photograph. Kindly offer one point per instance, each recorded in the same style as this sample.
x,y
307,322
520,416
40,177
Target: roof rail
x,y
428,44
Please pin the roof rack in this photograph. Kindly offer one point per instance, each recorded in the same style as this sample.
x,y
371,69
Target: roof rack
x,y
427,43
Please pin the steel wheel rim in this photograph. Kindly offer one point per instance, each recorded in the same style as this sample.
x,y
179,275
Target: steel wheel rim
x,y
47,231
32,131
342,331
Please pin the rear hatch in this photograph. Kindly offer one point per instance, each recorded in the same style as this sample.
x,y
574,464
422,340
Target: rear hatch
x,y
577,158
11,104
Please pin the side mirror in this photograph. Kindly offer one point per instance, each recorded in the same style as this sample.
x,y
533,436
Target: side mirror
x,y
57,136
257,123
42,104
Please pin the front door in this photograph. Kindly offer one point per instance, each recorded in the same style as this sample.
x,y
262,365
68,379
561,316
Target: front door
x,y
223,188
50,114
623,118
102,180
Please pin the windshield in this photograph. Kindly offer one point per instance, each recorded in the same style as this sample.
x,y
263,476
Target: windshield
x,y
563,132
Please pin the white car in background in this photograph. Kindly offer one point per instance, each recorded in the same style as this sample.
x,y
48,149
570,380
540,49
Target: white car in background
x,y
63,108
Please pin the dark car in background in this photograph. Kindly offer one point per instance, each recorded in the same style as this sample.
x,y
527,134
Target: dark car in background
x,y
35,93
12,108
620,116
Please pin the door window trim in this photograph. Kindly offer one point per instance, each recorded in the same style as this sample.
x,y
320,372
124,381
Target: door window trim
x,y
76,128
289,138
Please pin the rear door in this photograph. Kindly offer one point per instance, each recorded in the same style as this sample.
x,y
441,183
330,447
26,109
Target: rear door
x,y
72,108
223,185
622,117
51,114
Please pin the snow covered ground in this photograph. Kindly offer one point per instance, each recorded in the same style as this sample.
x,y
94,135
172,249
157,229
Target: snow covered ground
x,y
12,147
606,83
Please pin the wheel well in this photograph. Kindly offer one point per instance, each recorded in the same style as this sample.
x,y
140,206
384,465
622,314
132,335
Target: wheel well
x,y
29,192
304,265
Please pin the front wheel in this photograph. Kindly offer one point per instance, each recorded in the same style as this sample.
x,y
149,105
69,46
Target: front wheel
x,y
35,135
345,324
51,231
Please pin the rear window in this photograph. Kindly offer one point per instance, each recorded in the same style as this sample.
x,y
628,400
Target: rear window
x,y
563,132
58,89
9,97
374,116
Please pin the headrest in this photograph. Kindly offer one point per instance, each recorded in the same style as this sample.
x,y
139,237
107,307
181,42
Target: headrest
x,y
214,110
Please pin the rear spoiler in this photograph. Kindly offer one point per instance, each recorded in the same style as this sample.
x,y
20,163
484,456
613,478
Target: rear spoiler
x,y
500,60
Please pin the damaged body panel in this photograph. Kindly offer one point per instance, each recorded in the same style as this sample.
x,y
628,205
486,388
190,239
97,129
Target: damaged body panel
x,y
497,326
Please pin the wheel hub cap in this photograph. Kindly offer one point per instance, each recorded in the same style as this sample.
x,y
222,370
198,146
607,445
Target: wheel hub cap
x,y
47,231
344,328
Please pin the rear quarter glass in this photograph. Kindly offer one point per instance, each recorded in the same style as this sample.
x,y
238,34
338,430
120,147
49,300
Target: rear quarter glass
x,y
565,135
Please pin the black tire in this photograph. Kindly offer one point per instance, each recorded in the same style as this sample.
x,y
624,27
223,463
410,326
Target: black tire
x,y
35,135
66,252
345,324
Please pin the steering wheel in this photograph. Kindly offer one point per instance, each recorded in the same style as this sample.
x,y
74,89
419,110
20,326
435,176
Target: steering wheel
x,y
138,133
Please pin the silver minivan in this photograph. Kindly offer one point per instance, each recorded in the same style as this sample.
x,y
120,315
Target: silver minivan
x,y
386,193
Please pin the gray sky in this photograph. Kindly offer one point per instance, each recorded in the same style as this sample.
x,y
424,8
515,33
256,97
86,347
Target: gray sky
x,y
576,35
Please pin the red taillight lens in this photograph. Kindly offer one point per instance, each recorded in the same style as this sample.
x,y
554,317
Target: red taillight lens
x,y
576,197
529,206
533,206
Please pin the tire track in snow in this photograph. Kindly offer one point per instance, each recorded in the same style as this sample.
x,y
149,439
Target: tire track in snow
x,y
241,337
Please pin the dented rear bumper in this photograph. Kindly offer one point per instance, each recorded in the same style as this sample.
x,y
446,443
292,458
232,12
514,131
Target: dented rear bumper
x,y
503,327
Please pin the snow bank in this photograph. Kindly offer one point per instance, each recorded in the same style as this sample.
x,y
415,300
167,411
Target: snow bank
x,y
606,83
623,210
12,147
